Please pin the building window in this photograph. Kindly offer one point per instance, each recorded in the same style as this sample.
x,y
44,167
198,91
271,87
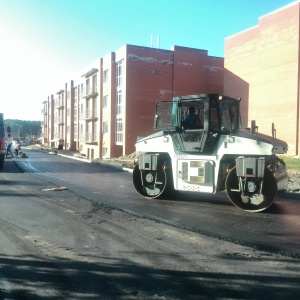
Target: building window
x,y
95,88
119,131
89,109
105,75
89,132
81,110
75,114
95,107
119,73
119,120
95,131
81,90
75,95
87,87
105,127
119,102
75,132
105,101
104,151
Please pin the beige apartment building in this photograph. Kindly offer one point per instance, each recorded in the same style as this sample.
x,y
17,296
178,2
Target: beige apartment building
x,y
262,66
112,103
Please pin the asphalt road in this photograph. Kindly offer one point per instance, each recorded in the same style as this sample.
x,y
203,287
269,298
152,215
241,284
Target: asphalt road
x,y
277,230
100,240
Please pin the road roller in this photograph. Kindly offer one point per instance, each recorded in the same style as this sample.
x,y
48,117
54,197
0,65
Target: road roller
x,y
200,146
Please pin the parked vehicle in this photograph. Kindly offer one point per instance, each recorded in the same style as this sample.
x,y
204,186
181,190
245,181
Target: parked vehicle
x,y
218,155
2,141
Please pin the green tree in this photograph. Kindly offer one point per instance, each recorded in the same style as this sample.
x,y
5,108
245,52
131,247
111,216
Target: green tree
x,y
23,129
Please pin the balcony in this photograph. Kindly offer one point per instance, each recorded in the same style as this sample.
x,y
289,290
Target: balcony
x,y
89,92
58,137
89,115
89,138
59,120
59,104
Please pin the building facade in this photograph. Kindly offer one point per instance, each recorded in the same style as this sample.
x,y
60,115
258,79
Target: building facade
x,y
112,104
262,66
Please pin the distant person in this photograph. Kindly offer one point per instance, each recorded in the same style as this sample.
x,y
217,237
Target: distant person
x,y
17,149
8,149
192,121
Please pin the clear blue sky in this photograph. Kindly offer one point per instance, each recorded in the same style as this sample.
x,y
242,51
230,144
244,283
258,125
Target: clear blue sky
x,y
45,43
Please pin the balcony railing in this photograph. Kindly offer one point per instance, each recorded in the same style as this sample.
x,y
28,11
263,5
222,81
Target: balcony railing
x,y
89,114
89,91
88,137
59,120
59,104
58,136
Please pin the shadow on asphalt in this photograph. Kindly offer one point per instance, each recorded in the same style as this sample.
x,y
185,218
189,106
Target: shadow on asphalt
x,y
10,166
114,278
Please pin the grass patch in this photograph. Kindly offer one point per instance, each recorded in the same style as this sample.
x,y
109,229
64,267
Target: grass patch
x,y
292,164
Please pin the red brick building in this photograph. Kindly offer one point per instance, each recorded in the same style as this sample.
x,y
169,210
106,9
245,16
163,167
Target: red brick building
x,y
155,74
262,66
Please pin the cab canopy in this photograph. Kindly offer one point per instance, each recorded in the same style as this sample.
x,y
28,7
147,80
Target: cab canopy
x,y
196,122
216,113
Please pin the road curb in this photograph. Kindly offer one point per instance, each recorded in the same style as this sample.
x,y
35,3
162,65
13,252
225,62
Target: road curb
x,y
98,162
